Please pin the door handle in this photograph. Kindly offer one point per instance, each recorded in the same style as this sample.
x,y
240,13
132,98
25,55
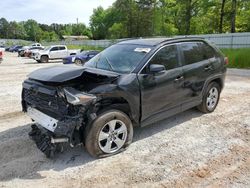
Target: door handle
x,y
207,68
179,78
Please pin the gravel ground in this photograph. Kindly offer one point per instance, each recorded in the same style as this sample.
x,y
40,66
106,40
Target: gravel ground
x,y
190,149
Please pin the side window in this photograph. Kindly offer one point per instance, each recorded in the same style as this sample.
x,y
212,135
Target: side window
x,y
62,48
192,52
208,51
54,49
167,56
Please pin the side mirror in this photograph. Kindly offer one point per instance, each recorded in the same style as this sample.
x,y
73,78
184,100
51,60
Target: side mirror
x,y
155,68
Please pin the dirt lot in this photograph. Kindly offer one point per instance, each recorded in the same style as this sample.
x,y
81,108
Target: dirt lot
x,y
188,150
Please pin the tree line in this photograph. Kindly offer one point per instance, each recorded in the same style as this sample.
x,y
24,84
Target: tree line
x,y
142,18
34,31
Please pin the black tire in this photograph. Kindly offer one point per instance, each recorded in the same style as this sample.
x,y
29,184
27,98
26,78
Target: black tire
x,y
203,107
44,59
38,61
78,62
93,130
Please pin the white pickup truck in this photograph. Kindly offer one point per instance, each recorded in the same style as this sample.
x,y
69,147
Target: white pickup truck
x,y
53,52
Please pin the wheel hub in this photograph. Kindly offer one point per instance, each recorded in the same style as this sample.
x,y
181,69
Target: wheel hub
x,y
112,136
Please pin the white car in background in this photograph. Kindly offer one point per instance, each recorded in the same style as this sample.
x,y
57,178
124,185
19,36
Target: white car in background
x,y
36,44
54,52
2,48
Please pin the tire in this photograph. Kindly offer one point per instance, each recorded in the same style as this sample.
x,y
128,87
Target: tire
x,y
78,62
210,98
38,61
100,141
44,59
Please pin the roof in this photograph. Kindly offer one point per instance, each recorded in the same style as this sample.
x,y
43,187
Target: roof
x,y
156,41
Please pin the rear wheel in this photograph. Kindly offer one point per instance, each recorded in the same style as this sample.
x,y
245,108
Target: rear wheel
x,y
109,134
44,59
210,98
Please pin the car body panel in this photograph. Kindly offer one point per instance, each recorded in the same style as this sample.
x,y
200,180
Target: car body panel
x,y
146,97
83,56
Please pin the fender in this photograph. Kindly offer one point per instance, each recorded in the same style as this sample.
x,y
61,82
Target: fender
x,y
220,76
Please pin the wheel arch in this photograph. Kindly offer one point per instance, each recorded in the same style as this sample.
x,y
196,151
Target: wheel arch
x,y
219,79
117,103
46,55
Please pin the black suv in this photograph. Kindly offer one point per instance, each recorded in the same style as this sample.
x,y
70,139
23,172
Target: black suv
x,y
131,83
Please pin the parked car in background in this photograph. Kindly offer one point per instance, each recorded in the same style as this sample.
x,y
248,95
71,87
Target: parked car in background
x,y
1,56
7,49
36,44
34,49
54,52
81,58
2,48
21,51
131,83
15,48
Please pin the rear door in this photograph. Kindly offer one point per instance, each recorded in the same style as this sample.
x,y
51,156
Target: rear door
x,y
161,93
197,67
63,52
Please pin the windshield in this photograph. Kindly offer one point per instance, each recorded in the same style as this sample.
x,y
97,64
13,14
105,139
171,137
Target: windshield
x,y
47,48
84,52
121,58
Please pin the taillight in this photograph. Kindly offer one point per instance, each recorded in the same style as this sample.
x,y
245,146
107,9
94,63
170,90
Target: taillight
x,y
1,53
226,60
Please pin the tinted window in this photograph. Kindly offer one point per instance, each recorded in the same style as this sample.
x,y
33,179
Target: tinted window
x,y
167,56
54,49
194,52
208,50
62,48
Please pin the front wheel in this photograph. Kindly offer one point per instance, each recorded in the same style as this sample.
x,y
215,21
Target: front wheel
x,y
109,134
210,98
44,59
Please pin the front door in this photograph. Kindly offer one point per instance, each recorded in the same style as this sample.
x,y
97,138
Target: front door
x,y
53,52
161,93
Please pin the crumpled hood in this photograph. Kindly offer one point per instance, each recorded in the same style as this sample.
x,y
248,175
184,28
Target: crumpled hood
x,y
59,74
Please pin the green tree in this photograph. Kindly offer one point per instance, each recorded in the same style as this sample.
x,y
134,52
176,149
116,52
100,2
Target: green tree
x,y
4,24
34,32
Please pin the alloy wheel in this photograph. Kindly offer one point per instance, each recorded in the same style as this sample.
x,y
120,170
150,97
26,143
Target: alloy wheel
x,y
112,136
212,98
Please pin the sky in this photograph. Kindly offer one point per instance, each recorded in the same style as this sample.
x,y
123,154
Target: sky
x,y
51,11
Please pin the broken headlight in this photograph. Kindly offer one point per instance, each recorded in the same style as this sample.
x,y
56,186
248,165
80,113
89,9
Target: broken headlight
x,y
76,97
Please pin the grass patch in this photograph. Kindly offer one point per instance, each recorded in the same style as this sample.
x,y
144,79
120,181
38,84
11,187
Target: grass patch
x,y
85,47
238,58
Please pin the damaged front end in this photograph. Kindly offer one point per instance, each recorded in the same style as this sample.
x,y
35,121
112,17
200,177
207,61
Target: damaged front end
x,y
59,113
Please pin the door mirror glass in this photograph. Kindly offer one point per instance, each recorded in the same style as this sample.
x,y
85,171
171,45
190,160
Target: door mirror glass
x,y
154,68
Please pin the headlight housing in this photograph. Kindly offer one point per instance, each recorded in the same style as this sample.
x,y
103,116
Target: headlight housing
x,y
76,97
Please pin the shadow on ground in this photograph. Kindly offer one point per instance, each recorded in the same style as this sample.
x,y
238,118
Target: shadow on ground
x,y
20,157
